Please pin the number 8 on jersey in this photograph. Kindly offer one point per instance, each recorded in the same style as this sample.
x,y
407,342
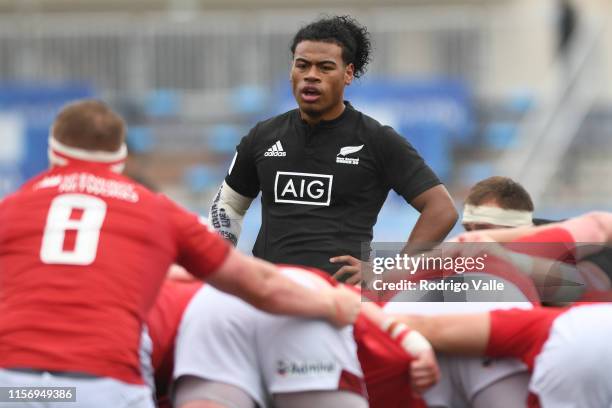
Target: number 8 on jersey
x,y
61,219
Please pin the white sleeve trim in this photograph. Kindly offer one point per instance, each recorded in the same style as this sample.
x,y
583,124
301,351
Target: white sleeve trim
x,y
413,342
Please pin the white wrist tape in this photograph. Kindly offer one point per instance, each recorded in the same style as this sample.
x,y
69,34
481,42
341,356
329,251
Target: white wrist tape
x,y
227,212
411,340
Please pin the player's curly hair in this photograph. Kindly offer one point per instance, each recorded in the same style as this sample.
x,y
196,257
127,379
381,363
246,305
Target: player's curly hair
x,y
345,31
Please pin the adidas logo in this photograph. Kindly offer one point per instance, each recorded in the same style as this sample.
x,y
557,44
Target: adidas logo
x,y
276,150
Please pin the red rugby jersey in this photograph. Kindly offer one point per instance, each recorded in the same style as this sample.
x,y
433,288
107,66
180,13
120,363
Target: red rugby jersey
x,y
386,367
83,253
163,323
520,333
555,243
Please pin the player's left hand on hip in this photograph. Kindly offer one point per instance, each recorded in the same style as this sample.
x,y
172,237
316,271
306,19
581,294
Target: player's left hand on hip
x,y
424,371
351,274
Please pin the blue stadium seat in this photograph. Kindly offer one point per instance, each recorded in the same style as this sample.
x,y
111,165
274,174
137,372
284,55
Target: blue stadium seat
x,y
500,135
162,103
10,179
472,173
140,139
249,99
199,178
38,103
223,138
520,101
434,144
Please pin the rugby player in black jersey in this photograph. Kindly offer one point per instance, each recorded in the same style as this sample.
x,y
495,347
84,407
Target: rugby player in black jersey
x,y
325,169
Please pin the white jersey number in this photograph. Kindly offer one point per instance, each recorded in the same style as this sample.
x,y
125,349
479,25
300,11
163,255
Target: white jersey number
x,y
87,229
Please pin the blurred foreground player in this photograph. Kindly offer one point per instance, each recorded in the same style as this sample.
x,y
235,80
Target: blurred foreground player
x,y
83,252
232,355
580,271
566,349
574,339
325,169
162,324
480,382
499,202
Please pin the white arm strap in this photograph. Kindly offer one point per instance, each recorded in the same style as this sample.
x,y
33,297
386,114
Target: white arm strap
x,y
227,211
411,340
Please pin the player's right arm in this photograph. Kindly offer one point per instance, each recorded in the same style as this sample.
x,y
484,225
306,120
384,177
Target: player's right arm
x,y
518,333
207,256
261,284
594,227
240,187
466,334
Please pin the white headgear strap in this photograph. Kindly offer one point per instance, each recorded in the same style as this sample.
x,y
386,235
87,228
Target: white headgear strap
x,y
61,154
496,216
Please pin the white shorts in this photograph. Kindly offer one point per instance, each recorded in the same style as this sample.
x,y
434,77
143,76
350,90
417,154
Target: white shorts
x,y
461,378
222,338
573,368
145,354
94,392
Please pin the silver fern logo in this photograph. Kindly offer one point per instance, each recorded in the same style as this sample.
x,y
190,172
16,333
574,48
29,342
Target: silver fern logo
x,y
345,151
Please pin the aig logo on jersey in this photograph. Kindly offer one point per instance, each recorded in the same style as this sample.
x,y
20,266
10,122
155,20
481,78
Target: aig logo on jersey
x,y
302,188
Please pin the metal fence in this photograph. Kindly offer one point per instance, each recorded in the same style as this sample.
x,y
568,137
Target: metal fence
x,y
207,52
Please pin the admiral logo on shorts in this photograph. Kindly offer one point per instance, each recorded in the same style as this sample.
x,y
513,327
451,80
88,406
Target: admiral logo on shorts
x,y
286,368
276,150
302,188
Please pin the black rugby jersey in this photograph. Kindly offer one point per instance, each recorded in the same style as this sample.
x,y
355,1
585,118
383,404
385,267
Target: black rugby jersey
x,y
323,186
